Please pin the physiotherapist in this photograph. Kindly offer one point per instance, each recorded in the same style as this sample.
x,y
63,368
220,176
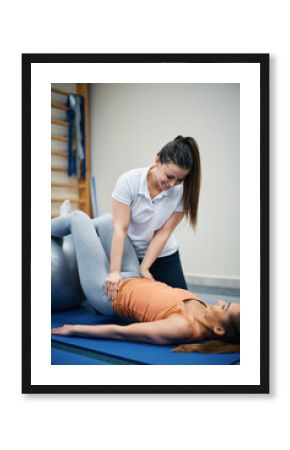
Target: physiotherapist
x,y
148,204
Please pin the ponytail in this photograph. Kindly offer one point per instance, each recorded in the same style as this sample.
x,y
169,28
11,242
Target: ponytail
x,y
191,185
184,152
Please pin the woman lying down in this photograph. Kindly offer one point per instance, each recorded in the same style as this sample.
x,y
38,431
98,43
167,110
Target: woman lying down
x,y
161,314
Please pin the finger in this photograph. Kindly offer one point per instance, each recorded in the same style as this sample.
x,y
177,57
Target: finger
x,y
109,287
106,288
113,294
119,284
56,331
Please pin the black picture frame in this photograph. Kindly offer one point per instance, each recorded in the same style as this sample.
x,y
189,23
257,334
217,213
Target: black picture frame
x,y
263,61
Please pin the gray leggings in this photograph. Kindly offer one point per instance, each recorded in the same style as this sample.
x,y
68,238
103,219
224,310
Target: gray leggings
x,y
92,240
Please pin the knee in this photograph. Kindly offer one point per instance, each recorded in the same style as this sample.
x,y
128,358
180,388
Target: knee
x,y
101,304
106,219
78,215
107,216
104,222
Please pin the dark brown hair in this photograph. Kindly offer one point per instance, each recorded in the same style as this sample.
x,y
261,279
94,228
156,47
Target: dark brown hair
x,y
228,343
184,152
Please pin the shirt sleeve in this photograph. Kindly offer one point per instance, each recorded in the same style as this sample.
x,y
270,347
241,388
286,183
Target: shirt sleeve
x,y
179,206
122,192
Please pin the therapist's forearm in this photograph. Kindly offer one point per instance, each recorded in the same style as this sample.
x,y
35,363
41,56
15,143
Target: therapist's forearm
x,y
155,248
117,250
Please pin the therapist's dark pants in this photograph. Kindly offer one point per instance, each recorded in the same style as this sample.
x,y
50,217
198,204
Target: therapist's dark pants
x,y
168,269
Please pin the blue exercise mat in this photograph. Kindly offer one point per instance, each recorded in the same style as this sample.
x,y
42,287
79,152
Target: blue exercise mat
x,y
64,357
126,352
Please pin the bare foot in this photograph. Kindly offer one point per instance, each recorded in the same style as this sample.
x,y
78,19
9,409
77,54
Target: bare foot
x,y
65,208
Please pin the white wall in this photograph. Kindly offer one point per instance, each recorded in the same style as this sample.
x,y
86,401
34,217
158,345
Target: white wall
x,y
129,125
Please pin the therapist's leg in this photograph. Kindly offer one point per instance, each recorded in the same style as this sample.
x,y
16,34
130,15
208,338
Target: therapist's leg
x,y
168,269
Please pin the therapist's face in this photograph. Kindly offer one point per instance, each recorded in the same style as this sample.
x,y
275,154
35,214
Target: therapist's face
x,y
169,175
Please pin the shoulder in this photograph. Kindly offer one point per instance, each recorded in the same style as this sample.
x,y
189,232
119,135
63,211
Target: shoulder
x,y
175,197
127,185
180,327
177,191
132,176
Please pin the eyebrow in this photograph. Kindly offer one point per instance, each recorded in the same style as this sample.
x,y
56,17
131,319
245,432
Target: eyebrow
x,y
173,176
229,304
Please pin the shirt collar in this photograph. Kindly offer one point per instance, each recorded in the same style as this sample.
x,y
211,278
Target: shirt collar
x,y
143,186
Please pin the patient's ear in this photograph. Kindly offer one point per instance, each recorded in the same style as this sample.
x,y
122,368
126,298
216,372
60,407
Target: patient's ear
x,y
220,331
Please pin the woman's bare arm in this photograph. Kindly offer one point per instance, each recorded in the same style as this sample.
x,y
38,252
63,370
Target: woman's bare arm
x,y
158,242
169,331
121,218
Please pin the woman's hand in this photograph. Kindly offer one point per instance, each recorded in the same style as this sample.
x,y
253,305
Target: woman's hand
x,y
112,284
145,273
65,330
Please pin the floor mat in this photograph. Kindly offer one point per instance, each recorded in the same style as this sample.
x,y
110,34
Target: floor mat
x,y
121,352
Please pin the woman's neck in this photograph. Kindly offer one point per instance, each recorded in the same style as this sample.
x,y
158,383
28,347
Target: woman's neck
x,y
153,187
196,313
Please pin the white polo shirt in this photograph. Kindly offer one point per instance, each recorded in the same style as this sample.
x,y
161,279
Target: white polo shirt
x,y
147,215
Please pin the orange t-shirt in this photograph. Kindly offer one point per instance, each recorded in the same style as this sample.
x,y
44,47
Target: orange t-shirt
x,y
144,300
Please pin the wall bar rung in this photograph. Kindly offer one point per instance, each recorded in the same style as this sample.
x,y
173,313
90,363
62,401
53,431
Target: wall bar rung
x,y
57,137
61,153
68,185
59,91
59,169
57,105
61,123
72,200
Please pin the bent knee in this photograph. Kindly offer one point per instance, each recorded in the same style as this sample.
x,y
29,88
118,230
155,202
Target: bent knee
x,y
78,215
103,222
104,219
103,306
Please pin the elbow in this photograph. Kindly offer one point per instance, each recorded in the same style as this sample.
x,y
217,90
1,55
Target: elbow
x,y
160,340
121,230
163,234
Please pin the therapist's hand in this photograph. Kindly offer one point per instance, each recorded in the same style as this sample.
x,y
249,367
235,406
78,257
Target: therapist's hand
x,y
112,284
145,273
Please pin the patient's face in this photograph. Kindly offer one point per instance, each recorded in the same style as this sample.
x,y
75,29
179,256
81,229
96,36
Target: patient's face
x,y
226,309
221,311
